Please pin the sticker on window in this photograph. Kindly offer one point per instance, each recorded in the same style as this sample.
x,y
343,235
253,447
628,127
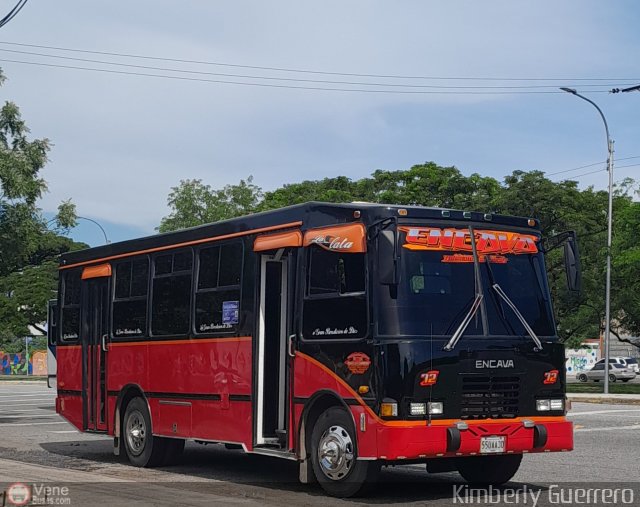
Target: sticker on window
x,y
497,243
230,312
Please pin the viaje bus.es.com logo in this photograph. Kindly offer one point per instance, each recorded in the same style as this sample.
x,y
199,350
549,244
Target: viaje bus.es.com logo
x,y
18,494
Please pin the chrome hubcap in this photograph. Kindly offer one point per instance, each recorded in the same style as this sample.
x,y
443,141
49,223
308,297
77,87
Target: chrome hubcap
x,y
136,431
335,453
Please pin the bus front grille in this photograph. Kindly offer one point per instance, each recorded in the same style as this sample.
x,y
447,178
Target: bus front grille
x,y
489,397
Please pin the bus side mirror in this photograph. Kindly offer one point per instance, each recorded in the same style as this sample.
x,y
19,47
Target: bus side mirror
x,y
387,258
572,263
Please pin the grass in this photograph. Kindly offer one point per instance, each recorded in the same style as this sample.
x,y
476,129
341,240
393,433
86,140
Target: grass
x,y
616,388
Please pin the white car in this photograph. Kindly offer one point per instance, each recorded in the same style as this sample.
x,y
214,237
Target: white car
x,y
627,362
632,364
616,372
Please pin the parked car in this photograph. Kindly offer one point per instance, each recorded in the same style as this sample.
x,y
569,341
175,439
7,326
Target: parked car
x,y
632,364
629,362
616,372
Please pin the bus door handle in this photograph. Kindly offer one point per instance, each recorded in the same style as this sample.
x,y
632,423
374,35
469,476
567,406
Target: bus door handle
x,y
290,348
103,342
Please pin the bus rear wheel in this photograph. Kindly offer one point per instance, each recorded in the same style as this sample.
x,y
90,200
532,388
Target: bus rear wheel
x,y
494,470
334,456
143,449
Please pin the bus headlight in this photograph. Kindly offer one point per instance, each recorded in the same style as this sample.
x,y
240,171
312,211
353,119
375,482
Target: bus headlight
x,y
435,407
543,405
557,404
417,408
547,405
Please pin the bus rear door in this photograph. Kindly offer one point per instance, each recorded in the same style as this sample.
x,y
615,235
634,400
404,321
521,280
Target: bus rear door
x,y
95,318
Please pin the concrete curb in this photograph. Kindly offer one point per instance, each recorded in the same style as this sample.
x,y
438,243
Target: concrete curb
x,y
625,399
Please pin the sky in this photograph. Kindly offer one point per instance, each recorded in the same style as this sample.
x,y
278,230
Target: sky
x,y
121,141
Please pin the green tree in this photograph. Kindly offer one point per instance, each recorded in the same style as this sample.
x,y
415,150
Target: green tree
x,y
194,203
560,206
28,250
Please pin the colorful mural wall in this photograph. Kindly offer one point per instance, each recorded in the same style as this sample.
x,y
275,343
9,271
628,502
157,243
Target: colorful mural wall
x,y
581,359
17,364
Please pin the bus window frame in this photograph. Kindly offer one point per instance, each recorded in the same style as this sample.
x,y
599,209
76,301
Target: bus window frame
x,y
60,339
195,281
303,296
113,299
152,276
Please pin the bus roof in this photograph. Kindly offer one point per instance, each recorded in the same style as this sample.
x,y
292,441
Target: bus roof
x,y
301,216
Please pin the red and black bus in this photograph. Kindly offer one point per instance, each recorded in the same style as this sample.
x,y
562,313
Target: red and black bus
x,y
343,336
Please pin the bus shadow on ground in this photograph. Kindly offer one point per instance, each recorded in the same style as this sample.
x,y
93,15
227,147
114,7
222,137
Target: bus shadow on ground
x,y
214,462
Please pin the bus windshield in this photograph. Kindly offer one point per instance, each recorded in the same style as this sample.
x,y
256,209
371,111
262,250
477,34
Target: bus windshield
x,y
437,285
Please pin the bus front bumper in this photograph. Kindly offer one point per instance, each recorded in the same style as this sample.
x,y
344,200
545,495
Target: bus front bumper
x,y
465,438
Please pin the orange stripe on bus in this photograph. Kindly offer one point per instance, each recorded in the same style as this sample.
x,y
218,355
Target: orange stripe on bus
x,y
422,423
186,243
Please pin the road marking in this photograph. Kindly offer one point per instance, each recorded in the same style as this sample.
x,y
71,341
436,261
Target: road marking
x,y
20,411
18,395
66,431
29,416
26,405
16,400
596,412
32,424
610,428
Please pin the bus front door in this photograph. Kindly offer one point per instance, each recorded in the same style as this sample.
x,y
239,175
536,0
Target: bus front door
x,y
94,329
273,395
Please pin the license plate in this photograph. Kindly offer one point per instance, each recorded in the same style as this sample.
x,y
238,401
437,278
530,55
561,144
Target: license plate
x,y
490,445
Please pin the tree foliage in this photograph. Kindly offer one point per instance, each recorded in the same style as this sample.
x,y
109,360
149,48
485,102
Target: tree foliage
x,y
194,203
28,249
560,206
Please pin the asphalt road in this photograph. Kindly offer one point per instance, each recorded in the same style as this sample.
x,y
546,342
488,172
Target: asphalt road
x,y
37,446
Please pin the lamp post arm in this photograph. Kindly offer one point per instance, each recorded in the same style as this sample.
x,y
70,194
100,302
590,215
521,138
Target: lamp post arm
x,y
604,120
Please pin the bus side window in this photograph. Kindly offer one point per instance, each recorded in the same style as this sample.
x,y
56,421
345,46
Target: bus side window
x,y
130,298
70,312
335,300
217,301
52,323
171,294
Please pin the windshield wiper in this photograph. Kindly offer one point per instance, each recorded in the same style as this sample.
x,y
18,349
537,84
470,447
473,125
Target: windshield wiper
x,y
526,325
464,324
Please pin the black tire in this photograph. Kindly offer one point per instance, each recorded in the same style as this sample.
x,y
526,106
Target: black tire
x,y
344,476
142,448
494,470
583,378
612,378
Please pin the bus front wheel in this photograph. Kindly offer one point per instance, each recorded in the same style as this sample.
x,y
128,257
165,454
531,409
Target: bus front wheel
x,y
489,469
143,449
334,455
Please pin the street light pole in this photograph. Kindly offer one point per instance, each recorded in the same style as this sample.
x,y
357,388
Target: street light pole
x,y
607,318
104,233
